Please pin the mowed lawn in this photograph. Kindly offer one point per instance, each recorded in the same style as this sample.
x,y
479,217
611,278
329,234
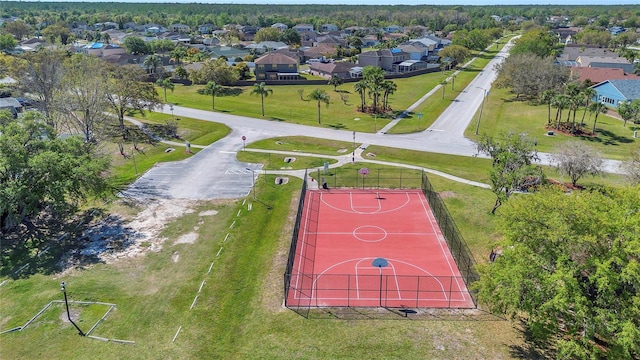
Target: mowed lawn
x,y
504,113
285,103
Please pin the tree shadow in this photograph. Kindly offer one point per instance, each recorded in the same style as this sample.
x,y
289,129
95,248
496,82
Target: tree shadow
x,y
607,137
52,245
273,118
532,348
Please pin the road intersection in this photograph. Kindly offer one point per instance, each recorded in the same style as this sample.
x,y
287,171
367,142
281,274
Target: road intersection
x,y
215,173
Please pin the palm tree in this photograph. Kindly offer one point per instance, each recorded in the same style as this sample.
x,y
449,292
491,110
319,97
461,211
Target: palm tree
x,y
389,88
561,101
165,84
151,63
263,91
213,89
547,98
589,94
336,81
320,96
361,88
373,76
178,53
597,108
443,83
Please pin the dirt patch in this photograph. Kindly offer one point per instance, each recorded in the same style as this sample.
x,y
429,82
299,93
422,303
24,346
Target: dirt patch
x,y
208,213
116,237
74,313
189,238
447,194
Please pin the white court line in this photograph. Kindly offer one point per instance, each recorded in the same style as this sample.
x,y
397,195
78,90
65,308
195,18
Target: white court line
x,y
361,212
313,287
440,238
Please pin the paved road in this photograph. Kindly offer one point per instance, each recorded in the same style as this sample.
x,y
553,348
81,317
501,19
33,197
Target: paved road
x,y
214,172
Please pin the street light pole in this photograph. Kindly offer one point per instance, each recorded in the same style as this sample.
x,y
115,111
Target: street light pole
x,y
480,115
66,303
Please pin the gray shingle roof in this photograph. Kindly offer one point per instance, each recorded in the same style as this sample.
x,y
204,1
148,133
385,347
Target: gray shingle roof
x,y
629,88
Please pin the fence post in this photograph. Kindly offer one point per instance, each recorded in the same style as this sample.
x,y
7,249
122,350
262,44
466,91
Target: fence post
x,y
450,288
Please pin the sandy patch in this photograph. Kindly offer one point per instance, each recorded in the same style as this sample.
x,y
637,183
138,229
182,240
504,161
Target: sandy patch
x,y
208,213
175,257
189,238
127,239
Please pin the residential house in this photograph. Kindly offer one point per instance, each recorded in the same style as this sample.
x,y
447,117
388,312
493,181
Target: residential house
x,y
356,72
33,44
384,58
416,50
322,51
206,28
303,28
280,27
393,29
211,41
585,61
496,18
275,66
292,53
266,46
248,31
332,40
571,52
612,92
100,49
328,27
410,66
417,30
154,28
429,44
114,36
12,105
352,30
179,28
370,41
109,25
329,69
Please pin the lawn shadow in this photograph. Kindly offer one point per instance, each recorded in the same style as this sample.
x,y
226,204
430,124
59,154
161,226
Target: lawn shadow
x,y
607,137
532,348
50,246
276,119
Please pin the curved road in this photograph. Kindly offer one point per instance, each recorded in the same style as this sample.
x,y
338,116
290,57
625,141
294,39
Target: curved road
x,y
215,173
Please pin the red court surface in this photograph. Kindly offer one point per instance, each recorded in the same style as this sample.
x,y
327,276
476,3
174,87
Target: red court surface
x,y
342,232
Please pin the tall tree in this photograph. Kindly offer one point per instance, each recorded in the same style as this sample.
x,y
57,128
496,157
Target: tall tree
x,y
42,77
152,64
18,28
262,90
628,110
165,84
361,88
129,92
321,97
335,81
82,98
388,88
512,166
7,43
373,76
569,270
547,98
597,108
213,89
458,54
41,172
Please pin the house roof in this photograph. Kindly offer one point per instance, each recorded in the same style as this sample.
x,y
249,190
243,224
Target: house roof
x,y
9,102
275,58
573,52
597,75
411,48
585,60
630,89
333,67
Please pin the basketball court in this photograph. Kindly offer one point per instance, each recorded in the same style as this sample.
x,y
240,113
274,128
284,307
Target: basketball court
x,y
373,248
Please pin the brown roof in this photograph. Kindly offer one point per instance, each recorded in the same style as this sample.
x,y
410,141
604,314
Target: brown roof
x,y
275,58
598,75
332,67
